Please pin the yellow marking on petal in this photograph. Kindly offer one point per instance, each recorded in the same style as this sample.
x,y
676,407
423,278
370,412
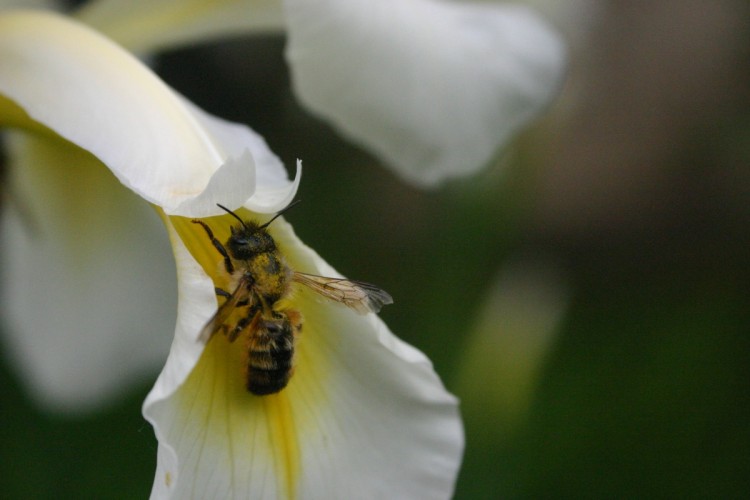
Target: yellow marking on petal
x,y
239,433
286,453
240,427
196,240
168,479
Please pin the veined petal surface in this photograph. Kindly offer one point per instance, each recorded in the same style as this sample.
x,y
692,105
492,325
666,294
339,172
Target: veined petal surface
x,y
433,88
364,415
96,95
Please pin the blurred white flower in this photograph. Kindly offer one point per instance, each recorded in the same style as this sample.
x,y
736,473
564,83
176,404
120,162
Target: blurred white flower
x,y
433,88
364,415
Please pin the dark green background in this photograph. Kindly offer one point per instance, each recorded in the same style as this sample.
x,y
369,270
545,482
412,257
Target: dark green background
x,y
636,184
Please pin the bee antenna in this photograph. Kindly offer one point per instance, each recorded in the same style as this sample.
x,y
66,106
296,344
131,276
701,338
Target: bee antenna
x,y
280,213
231,213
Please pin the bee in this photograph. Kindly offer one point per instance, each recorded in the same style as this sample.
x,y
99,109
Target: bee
x,y
259,279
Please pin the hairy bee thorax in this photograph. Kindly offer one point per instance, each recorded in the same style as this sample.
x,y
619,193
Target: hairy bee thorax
x,y
254,249
271,276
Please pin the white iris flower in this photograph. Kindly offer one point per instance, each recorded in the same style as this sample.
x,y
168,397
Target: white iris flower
x,y
432,88
364,416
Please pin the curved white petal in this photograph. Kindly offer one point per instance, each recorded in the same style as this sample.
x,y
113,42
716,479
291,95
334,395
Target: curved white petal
x,y
196,304
148,25
433,88
87,282
364,415
273,190
97,96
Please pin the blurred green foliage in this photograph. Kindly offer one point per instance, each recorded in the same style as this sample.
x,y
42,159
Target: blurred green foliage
x,y
108,455
644,392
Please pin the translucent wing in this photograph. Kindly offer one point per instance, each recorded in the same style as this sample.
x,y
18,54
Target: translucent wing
x,y
360,296
241,296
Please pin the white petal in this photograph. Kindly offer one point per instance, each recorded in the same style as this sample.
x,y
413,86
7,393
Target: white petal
x,y
197,302
88,285
148,25
99,97
432,88
273,191
364,415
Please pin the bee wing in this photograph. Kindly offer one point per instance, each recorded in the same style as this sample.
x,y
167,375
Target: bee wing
x,y
241,294
358,295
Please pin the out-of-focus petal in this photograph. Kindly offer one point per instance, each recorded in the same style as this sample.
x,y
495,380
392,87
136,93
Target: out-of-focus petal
x,y
364,415
148,25
516,329
432,88
576,19
88,284
27,4
99,97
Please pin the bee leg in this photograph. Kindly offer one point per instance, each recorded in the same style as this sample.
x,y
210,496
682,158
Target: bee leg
x,y
241,325
223,293
217,244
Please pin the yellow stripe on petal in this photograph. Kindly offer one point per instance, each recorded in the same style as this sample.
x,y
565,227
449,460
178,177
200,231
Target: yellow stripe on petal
x,y
245,437
283,432
256,438
196,240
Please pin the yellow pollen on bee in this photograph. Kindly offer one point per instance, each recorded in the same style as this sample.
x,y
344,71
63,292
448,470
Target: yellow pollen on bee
x,y
269,274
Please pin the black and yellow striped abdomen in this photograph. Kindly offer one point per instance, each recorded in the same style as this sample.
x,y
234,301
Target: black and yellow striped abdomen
x,y
270,352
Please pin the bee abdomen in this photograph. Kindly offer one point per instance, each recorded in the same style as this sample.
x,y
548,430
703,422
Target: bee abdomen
x,y
269,367
263,382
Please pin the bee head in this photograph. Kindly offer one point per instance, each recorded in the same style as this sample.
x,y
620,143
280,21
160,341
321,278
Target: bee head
x,y
249,238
